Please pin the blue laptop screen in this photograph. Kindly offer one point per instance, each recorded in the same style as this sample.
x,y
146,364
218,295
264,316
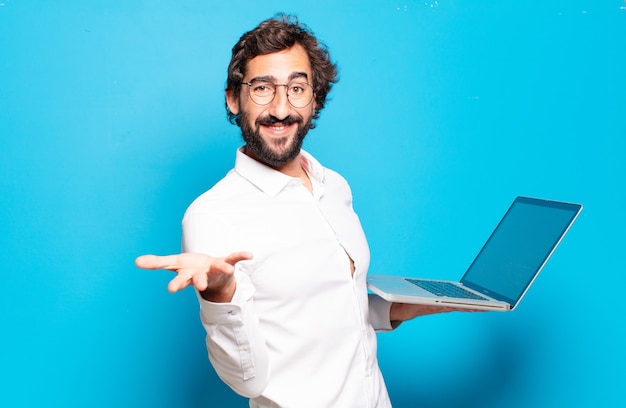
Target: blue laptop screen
x,y
519,247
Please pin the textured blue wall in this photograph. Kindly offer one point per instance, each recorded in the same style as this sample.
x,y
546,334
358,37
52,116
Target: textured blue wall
x,y
112,121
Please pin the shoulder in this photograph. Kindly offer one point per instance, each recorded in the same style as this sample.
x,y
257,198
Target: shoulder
x,y
226,191
333,177
328,176
336,187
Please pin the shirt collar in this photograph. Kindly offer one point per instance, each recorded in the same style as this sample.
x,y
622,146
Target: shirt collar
x,y
271,181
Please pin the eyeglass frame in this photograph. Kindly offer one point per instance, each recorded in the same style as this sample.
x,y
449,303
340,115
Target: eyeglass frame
x,y
275,89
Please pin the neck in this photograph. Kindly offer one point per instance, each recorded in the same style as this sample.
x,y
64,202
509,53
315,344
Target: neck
x,y
292,168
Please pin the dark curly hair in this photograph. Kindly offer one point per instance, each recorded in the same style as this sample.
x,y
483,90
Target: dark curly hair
x,y
273,35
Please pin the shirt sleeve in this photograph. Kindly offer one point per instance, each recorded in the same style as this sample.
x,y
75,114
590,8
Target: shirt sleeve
x,y
379,310
236,349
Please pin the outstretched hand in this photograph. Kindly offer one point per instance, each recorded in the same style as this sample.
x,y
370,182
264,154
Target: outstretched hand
x,y
210,275
403,311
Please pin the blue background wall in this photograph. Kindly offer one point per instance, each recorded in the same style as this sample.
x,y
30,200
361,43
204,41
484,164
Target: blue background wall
x,y
112,121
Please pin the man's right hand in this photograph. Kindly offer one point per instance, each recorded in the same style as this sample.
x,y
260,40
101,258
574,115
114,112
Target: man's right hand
x,y
212,277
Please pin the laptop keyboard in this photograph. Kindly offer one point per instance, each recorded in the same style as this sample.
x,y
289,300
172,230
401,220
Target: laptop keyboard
x,y
446,289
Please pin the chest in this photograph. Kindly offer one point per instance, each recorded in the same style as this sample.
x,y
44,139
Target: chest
x,y
301,245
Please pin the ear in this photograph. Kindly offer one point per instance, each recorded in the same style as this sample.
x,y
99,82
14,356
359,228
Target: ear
x,y
232,102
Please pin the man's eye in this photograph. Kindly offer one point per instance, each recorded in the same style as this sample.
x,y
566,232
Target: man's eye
x,y
296,90
262,89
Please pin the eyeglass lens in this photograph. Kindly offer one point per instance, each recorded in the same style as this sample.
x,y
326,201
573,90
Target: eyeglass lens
x,y
299,94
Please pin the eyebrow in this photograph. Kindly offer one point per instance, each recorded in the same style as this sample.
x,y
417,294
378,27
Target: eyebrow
x,y
271,78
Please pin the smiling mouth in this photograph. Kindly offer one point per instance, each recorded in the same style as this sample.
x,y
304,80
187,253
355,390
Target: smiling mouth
x,y
277,129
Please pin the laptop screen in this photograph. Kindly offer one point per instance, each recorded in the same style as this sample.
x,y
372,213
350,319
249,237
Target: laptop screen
x,y
519,247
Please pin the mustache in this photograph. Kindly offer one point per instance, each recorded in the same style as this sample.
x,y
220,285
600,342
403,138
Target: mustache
x,y
273,120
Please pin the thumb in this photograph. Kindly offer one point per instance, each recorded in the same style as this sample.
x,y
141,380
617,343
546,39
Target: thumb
x,y
237,256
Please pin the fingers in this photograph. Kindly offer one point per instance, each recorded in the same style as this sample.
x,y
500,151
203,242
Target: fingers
x,y
157,262
181,281
186,277
175,262
195,269
200,281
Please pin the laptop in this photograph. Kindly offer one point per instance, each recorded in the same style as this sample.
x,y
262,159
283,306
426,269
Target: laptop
x,y
503,270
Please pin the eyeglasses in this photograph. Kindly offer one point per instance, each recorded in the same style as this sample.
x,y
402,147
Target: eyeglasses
x,y
299,94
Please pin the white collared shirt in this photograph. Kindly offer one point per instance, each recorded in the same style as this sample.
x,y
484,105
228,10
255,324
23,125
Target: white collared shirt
x,y
300,329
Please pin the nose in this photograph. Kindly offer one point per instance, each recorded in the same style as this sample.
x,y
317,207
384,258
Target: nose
x,y
280,107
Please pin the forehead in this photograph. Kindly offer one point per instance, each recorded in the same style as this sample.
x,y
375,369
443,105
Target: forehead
x,y
279,66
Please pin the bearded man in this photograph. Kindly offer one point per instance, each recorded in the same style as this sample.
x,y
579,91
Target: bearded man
x,y
275,250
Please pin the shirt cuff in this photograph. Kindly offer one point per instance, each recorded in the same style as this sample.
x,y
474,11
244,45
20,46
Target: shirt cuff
x,y
225,313
379,313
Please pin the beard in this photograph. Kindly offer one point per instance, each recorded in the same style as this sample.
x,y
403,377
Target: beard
x,y
280,152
